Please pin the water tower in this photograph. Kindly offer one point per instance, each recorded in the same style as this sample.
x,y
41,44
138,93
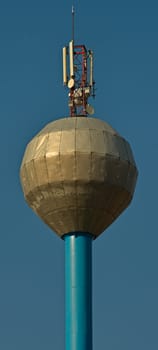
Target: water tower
x,y
78,175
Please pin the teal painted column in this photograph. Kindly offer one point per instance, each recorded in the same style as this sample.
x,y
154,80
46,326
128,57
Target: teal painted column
x,y
78,288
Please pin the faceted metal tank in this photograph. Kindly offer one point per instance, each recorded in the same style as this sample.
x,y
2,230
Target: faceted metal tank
x,y
78,174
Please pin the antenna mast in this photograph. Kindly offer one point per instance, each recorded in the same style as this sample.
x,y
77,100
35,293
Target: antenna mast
x,y
80,78
73,22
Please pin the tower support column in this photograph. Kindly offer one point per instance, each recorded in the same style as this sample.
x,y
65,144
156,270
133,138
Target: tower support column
x,y
78,290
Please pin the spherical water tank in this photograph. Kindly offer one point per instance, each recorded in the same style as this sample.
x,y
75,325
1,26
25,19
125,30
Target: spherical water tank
x,y
78,174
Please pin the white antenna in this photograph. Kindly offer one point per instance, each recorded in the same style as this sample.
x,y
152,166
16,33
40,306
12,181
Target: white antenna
x,y
91,68
64,66
71,53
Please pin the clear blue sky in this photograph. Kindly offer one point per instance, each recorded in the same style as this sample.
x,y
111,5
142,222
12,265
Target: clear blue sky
x,y
124,37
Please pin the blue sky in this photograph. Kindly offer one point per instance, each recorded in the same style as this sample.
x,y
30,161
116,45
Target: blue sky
x,y
124,38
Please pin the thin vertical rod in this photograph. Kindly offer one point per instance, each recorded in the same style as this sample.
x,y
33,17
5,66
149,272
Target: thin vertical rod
x,y
73,22
78,288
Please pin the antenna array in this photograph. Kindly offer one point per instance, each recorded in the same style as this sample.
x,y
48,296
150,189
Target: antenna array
x,y
79,77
